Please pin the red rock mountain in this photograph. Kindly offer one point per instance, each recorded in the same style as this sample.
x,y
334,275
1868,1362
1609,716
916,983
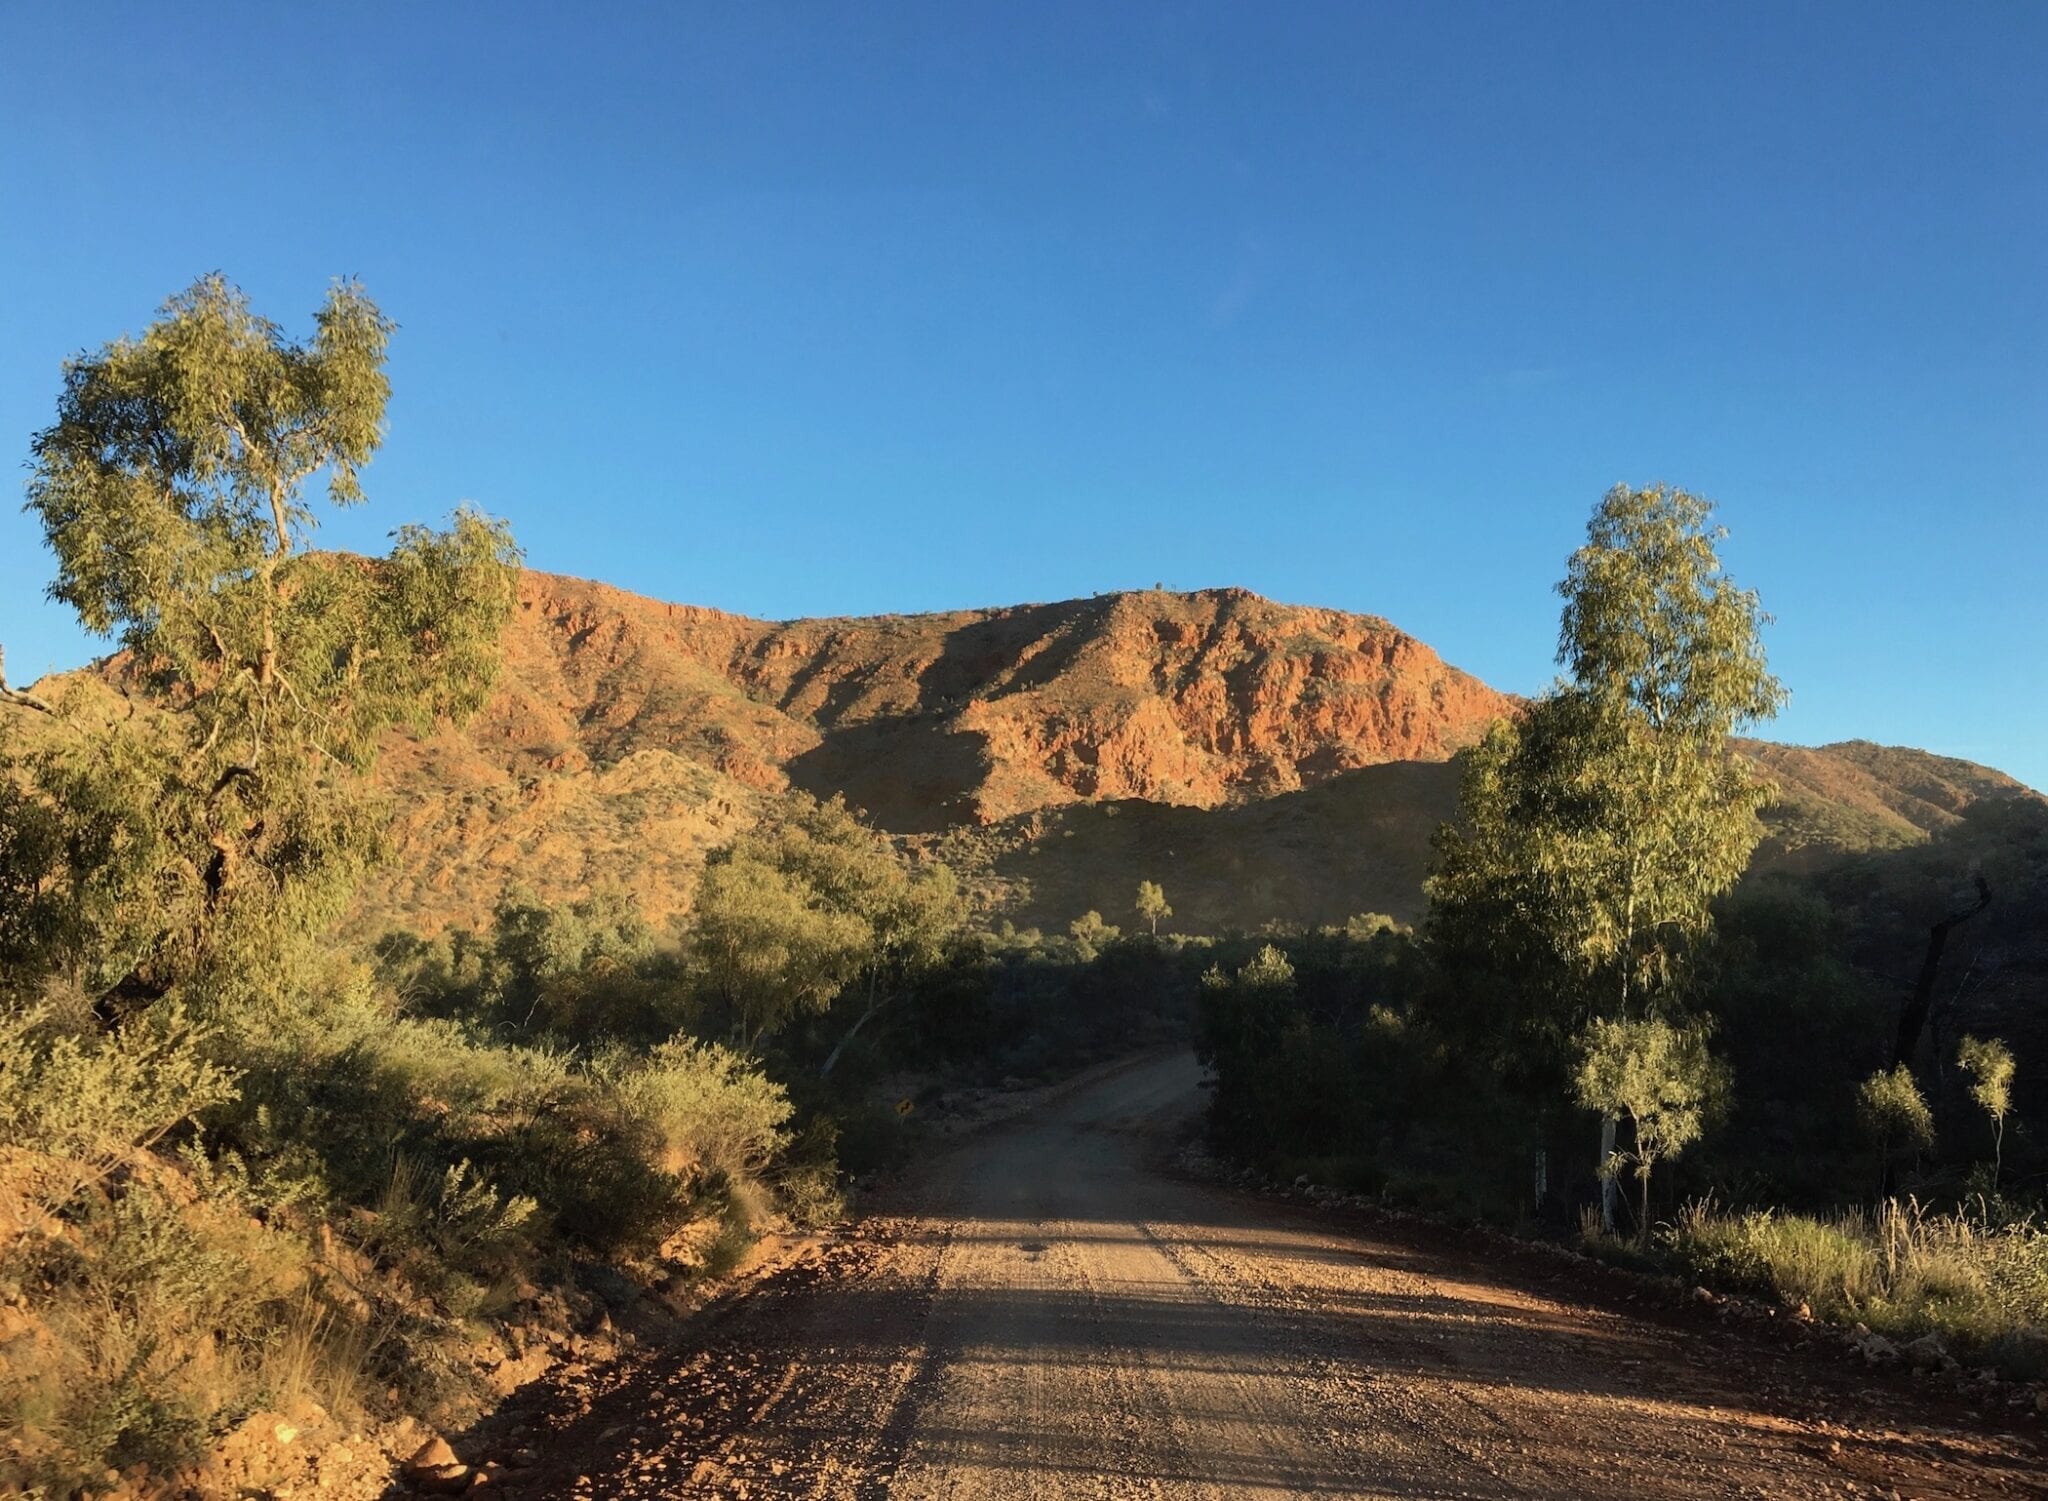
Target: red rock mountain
x,y
627,735
1264,761
1261,760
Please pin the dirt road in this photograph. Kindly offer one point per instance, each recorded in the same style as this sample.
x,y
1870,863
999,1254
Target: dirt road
x,y
1054,1314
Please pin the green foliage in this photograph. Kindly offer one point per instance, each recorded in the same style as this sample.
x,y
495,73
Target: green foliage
x,y
590,969
171,489
446,1231
1990,1065
1661,1079
148,1295
169,867
1893,1110
157,1310
1653,625
1091,934
1594,836
809,904
769,947
1894,1114
1151,904
711,1110
96,1099
82,860
1319,1057
1903,1271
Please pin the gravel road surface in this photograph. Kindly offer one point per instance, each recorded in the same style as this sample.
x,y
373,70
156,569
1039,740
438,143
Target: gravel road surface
x,y
1047,1310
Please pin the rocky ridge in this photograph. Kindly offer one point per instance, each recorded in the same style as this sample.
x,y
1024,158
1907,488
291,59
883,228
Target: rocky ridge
x,y
627,736
1267,762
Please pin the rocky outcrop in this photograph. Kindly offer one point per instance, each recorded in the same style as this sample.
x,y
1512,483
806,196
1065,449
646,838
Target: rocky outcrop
x,y
1276,762
627,735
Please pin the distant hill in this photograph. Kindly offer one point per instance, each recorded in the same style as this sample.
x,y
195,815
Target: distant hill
x,y
627,735
1855,796
1266,762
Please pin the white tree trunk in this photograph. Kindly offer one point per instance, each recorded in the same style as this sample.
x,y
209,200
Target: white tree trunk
x,y
1610,1189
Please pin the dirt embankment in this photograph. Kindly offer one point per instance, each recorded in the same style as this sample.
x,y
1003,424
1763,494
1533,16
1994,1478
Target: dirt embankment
x,y
1047,1311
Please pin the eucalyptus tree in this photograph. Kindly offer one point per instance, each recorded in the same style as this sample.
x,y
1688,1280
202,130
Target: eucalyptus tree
x,y
1663,1079
173,490
1894,1113
1594,835
810,905
1151,904
1990,1065
1666,653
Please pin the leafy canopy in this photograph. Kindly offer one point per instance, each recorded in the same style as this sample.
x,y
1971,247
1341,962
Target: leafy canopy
x,y
1151,903
1894,1111
1660,1078
1989,1063
1594,835
1991,1067
809,903
172,491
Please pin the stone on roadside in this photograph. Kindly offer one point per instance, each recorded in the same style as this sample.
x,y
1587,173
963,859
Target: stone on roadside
x,y
444,1480
432,1454
1876,1349
1927,1353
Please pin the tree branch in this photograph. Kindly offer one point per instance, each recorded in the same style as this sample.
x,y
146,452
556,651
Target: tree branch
x,y
21,696
1914,1016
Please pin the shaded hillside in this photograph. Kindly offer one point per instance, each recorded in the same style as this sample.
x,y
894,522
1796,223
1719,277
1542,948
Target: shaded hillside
x,y
1994,974
1854,796
1357,843
1361,841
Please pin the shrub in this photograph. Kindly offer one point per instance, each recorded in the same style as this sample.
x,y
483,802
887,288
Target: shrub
x,y
96,1098
711,1109
151,1311
1981,1285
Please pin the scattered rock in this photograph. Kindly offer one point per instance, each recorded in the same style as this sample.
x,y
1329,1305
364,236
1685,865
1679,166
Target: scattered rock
x,y
431,1455
1927,1353
1875,1348
444,1480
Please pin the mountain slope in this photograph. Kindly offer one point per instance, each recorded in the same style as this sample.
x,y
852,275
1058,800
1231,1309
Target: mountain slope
x,y
626,736
1854,796
1265,762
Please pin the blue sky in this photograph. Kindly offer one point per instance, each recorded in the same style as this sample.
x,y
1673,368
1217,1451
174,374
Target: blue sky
x,y
832,309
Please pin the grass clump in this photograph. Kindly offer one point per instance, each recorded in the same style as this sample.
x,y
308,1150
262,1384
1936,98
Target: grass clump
x,y
1979,1280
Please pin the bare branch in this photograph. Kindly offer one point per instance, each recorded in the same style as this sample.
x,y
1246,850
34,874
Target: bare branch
x,y
21,696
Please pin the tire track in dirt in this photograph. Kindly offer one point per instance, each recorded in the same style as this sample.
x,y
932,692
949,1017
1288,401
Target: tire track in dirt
x,y
1044,1313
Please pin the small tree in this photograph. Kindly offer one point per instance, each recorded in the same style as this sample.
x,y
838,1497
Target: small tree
x,y
172,489
1662,1080
768,948
1595,833
839,910
1989,1063
1091,934
1895,1115
1151,904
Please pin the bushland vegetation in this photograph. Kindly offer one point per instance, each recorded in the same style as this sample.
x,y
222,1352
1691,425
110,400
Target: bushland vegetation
x,y
1599,1000
245,1164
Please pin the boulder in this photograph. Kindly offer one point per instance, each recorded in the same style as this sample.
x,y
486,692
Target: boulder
x,y
1927,1353
444,1480
1876,1349
431,1455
